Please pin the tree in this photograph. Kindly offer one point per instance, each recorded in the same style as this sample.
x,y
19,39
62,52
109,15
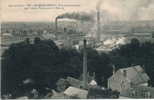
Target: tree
x,y
36,61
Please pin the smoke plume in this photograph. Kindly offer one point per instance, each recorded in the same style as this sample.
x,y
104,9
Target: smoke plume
x,y
77,16
98,5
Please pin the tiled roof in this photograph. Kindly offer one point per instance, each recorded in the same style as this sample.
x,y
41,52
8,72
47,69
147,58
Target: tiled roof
x,y
136,74
73,91
74,82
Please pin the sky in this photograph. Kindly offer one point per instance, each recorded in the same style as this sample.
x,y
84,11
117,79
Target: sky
x,y
14,10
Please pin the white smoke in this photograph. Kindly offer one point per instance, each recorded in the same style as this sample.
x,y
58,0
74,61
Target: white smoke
x,y
129,9
123,10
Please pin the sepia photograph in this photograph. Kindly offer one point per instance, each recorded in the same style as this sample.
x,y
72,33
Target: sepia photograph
x,y
77,49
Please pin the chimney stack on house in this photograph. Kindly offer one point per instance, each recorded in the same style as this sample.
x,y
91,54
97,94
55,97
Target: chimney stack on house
x,y
84,64
125,73
113,69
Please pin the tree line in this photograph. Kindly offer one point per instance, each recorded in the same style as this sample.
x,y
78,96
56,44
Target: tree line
x,y
45,63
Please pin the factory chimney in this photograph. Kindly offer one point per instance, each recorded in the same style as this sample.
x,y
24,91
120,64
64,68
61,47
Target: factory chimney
x,y
84,64
98,25
56,24
98,7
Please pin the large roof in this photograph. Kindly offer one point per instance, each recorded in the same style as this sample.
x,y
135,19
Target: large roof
x,y
73,91
136,74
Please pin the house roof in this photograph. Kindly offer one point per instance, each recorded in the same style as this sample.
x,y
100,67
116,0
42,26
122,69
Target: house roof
x,y
73,91
61,81
74,82
136,74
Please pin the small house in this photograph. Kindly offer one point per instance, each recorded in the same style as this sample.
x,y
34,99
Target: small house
x,y
126,78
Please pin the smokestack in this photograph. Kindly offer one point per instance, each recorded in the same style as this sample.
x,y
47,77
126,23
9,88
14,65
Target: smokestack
x,y
56,24
98,24
84,64
98,6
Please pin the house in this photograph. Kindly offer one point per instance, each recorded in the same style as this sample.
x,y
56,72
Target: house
x,y
6,35
77,93
126,78
63,83
138,92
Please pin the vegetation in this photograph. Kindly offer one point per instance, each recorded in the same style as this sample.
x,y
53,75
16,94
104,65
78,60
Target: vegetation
x,y
135,53
44,63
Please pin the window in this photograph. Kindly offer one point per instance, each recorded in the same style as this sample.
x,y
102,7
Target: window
x,y
122,84
152,35
147,94
113,79
133,93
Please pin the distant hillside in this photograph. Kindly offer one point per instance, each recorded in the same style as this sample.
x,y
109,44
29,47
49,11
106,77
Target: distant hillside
x,y
111,27
27,25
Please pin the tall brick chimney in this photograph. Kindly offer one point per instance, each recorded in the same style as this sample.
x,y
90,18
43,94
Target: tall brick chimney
x,y
56,24
98,25
84,64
